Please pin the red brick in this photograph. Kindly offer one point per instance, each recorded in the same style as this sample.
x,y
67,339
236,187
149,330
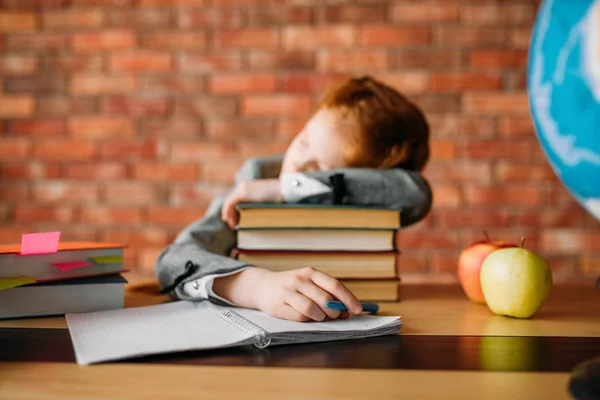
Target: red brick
x,y
179,217
426,58
505,195
354,14
565,241
448,125
14,65
590,266
509,235
143,150
111,215
474,218
458,81
167,84
135,238
247,83
12,233
222,172
100,127
138,18
174,3
516,126
406,264
447,35
165,172
229,129
177,127
310,82
442,150
209,63
17,21
498,14
515,80
133,193
197,151
287,129
197,195
72,232
442,263
48,127
141,61
437,103
88,3
281,60
500,150
58,192
510,172
73,19
117,39
175,40
424,13
64,150
147,260
496,103
458,172
498,58
312,37
261,149
446,196
210,17
15,149
427,240
35,214
95,171
265,15
248,37
59,106
394,36
13,192
214,107
16,106
95,84
74,63
29,171
569,217
357,60
136,107
39,83
29,4
40,42
280,104
407,82
519,38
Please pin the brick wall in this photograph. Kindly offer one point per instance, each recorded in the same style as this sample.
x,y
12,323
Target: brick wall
x,y
121,119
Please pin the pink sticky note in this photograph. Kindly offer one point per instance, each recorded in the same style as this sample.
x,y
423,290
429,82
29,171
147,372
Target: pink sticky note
x,y
39,243
71,265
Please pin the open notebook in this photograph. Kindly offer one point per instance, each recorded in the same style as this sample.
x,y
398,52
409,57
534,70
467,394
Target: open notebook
x,y
183,325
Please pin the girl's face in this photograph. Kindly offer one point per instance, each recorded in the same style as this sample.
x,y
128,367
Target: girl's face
x,y
319,146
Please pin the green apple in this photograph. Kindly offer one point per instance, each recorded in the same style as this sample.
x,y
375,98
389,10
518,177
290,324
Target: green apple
x,y
515,281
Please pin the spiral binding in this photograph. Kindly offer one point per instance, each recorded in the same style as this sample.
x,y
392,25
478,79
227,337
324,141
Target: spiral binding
x,y
235,319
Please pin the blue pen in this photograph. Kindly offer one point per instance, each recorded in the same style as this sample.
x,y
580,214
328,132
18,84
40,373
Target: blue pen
x,y
338,305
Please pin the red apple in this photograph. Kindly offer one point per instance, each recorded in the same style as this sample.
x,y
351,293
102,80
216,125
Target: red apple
x,y
469,265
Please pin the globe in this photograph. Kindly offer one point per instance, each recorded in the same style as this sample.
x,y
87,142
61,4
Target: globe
x,y
564,94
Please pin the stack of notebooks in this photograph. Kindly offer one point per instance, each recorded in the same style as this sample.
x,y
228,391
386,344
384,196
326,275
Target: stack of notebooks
x,y
353,244
42,276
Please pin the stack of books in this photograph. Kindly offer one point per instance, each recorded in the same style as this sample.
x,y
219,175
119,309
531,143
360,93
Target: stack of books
x,y
42,276
353,244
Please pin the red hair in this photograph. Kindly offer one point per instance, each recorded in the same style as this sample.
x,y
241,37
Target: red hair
x,y
387,130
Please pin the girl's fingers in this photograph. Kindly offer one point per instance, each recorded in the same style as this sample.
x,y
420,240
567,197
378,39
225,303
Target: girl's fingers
x,y
291,314
319,297
337,290
304,306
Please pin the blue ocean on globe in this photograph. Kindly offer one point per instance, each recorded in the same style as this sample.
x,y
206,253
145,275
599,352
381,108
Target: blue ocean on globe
x,y
564,94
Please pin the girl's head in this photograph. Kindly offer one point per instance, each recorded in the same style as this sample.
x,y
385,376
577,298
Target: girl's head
x,y
361,123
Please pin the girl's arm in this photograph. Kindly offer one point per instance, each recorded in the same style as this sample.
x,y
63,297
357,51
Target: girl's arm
x,y
407,191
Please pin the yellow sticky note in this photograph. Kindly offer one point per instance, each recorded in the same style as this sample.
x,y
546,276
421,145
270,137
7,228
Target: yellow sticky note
x,y
9,283
107,259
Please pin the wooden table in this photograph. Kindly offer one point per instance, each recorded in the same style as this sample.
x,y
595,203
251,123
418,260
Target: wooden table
x,y
571,311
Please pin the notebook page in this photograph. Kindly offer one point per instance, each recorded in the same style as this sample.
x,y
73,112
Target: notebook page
x,y
275,325
132,332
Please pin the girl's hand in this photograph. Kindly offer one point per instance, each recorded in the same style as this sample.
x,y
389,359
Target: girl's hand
x,y
297,295
255,191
